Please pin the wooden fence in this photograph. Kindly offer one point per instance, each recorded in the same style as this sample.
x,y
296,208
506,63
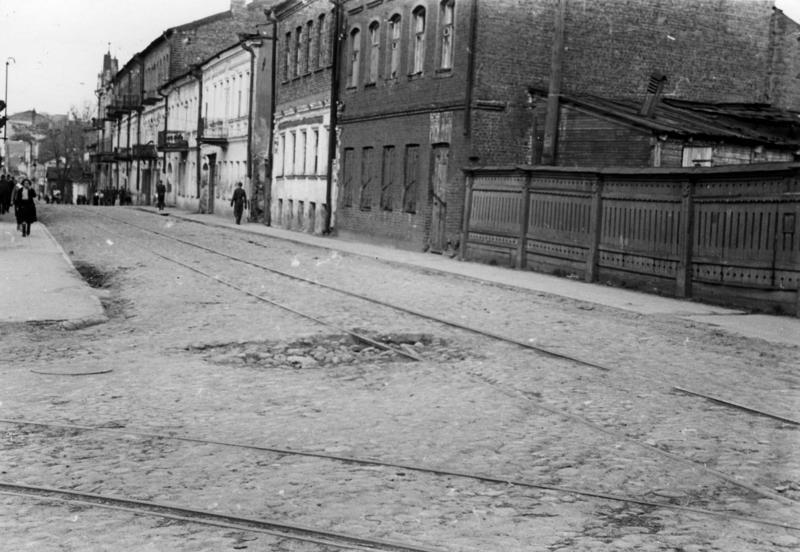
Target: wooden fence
x,y
725,234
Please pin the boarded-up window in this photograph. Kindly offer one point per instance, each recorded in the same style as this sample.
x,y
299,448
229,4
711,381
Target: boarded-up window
x,y
374,51
411,179
446,21
367,178
355,57
387,178
419,40
298,43
322,41
394,58
348,177
287,58
308,61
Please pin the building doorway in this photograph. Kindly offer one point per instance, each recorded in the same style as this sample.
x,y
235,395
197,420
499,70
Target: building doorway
x,y
438,235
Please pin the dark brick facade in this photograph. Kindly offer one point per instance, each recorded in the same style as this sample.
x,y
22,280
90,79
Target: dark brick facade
x,y
313,79
710,50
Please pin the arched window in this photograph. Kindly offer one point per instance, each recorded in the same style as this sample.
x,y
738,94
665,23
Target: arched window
x,y
446,21
321,41
419,40
394,58
309,47
374,51
287,62
355,56
298,45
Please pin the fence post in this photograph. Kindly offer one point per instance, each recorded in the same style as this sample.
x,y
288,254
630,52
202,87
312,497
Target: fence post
x,y
595,229
524,211
467,214
683,277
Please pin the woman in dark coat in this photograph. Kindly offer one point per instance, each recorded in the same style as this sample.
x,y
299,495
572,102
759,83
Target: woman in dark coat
x,y
26,207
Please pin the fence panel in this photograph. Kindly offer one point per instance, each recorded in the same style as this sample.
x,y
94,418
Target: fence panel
x,y
731,228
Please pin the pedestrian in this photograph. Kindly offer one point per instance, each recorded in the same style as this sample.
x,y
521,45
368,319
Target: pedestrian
x,y
5,194
14,202
26,207
161,191
239,202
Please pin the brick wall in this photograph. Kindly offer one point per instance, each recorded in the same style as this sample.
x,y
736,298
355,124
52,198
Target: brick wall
x,y
784,67
314,77
710,50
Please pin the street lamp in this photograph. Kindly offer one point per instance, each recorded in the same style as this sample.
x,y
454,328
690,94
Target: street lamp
x,y
5,127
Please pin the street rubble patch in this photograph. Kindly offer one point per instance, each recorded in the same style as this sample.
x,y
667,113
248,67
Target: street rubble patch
x,y
330,350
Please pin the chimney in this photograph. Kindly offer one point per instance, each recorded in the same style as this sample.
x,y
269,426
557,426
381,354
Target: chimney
x,y
238,6
654,89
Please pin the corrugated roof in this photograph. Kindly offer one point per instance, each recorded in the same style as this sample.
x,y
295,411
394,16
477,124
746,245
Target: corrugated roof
x,y
760,123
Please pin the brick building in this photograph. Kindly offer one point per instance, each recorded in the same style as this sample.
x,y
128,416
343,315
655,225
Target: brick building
x,y
430,86
301,187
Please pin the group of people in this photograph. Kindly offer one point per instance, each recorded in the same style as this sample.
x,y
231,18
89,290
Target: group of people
x,y
20,196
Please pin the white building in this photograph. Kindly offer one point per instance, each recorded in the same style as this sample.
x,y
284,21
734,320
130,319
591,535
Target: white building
x,y
224,137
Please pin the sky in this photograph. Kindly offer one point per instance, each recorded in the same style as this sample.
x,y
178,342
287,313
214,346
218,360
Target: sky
x,y
57,46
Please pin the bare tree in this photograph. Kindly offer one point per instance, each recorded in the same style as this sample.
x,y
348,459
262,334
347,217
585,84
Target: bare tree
x,y
64,146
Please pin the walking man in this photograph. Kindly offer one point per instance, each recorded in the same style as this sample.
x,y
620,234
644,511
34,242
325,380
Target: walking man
x,y
239,202
161,191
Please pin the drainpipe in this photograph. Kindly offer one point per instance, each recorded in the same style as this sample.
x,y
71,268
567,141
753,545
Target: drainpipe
x,y
250,103
332,138
271,125
473,33
166,126
139,111
554,89
197,73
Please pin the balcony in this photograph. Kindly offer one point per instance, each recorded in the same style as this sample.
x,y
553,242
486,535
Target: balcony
x,y
113,110
122,154
213,131
104,152
172,140
144,151
131,102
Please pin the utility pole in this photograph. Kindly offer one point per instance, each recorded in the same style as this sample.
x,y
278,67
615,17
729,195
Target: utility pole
x,y
5,123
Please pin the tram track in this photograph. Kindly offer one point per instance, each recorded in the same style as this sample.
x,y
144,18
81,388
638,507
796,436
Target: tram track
x,y
484,478
203,517
479,377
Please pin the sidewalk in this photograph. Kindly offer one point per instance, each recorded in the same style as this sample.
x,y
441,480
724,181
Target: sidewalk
x,y
38,281
776,329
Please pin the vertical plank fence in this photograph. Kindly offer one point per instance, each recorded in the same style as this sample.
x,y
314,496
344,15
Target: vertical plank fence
x,y
725,234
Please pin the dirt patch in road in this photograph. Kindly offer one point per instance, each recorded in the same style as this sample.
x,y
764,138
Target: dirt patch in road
x,y
330,350
94,276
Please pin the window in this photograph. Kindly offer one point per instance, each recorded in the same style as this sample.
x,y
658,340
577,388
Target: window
x,y
298,41
315,146
387,178
446,19
321,42
410,179
302,144
287,62
419,40
374,51
697,156
309,39
394,58
347,188
365,198
355,56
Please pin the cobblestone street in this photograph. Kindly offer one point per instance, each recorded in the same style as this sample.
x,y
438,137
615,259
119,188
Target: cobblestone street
x,y
479,445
